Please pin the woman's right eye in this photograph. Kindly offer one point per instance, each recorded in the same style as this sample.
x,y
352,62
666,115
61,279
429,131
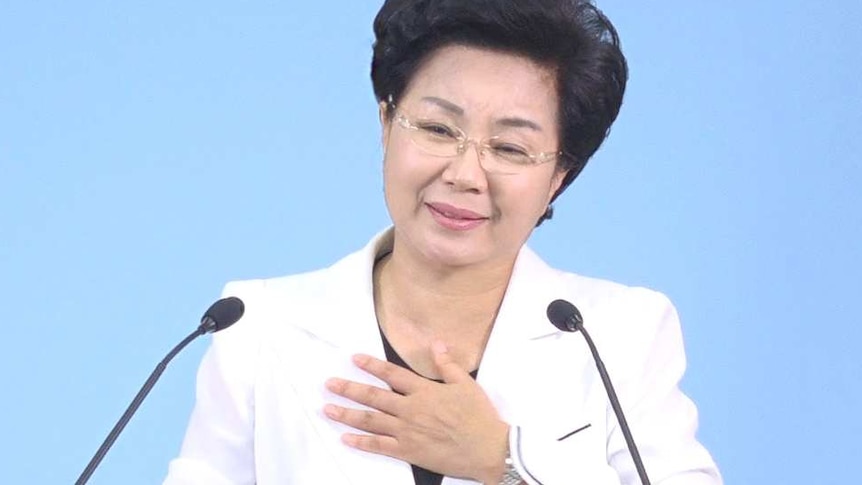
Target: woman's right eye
x,y
438,129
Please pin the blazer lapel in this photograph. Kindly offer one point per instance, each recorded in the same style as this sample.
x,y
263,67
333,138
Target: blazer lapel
x,y
339,323
535,374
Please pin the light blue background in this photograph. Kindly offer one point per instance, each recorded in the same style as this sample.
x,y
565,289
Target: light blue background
x,y
151,151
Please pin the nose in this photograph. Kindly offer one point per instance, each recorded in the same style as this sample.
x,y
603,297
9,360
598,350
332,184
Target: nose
x,y
464,171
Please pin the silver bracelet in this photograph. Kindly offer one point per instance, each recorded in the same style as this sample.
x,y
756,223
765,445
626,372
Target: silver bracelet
x,y
510,474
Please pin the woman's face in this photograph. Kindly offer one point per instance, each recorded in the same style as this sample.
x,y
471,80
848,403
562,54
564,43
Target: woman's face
x,y
450,211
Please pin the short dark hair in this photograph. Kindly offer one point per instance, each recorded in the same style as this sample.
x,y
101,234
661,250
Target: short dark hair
x,y
571,37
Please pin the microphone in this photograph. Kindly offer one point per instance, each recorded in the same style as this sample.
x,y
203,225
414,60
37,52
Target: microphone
x,y
221,315
567,318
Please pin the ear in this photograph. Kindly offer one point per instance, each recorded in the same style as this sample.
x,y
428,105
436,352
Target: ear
x,y
556,181
383,113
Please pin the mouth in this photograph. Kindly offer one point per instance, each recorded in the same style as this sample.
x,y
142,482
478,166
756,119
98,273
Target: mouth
x,y
455,218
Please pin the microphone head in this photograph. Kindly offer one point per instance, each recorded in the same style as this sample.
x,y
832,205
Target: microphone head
x,y
222,314
564,316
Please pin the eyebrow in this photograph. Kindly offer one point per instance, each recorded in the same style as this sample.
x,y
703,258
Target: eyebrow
x,y
509,122
519,123
447,105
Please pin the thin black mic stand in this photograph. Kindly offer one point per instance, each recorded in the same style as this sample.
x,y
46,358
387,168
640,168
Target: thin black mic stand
x,y
136,402
618,410
220,315
566,317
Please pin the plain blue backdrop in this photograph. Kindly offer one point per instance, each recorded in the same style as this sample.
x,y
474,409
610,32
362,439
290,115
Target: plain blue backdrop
x,y
151,151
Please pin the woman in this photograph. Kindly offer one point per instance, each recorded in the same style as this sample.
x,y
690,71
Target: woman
x,y
428,353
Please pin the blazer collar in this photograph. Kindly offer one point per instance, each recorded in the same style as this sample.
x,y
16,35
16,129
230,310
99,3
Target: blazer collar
x,y
532,286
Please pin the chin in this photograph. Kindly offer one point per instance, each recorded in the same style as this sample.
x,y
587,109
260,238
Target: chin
x,y
456,251
441,247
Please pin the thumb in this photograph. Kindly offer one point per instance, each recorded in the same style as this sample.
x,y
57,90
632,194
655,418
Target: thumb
x,y
450,371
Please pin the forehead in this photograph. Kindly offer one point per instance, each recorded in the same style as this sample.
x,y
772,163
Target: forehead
x,y
484,82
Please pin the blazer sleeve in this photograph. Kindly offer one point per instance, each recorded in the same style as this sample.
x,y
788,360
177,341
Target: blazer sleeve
x,y
218,447
643,351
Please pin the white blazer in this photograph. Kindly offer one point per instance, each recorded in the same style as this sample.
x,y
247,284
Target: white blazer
x,y
260,393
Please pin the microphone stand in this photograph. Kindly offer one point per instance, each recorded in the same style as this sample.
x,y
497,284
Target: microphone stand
x,y
136,402
615,404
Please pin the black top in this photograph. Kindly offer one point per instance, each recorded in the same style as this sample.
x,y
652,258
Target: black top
x,y
421,475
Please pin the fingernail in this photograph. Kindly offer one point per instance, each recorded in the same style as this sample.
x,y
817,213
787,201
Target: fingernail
x,y
360,359
330,410
439,347
349,440
332,384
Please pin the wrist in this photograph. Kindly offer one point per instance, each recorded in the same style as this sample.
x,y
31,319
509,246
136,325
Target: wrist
x,y
498,455
511,475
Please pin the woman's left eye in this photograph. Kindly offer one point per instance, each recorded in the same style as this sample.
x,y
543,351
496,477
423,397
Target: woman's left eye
x,y
510,149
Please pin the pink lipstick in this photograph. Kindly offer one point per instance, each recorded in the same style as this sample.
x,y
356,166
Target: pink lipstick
x,y
455,218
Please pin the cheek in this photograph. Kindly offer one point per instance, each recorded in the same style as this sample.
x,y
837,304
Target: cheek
x,y
406,173
391,185
524,200
403,181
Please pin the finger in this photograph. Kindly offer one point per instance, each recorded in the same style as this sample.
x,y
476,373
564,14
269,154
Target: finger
x,y
380,445
371,396
362,419
450,371
398,378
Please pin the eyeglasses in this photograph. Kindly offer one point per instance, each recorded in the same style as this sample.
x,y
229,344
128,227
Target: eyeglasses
x,y
496,154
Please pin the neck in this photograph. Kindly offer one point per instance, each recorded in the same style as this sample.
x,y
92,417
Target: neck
x,y
440,297
417,303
